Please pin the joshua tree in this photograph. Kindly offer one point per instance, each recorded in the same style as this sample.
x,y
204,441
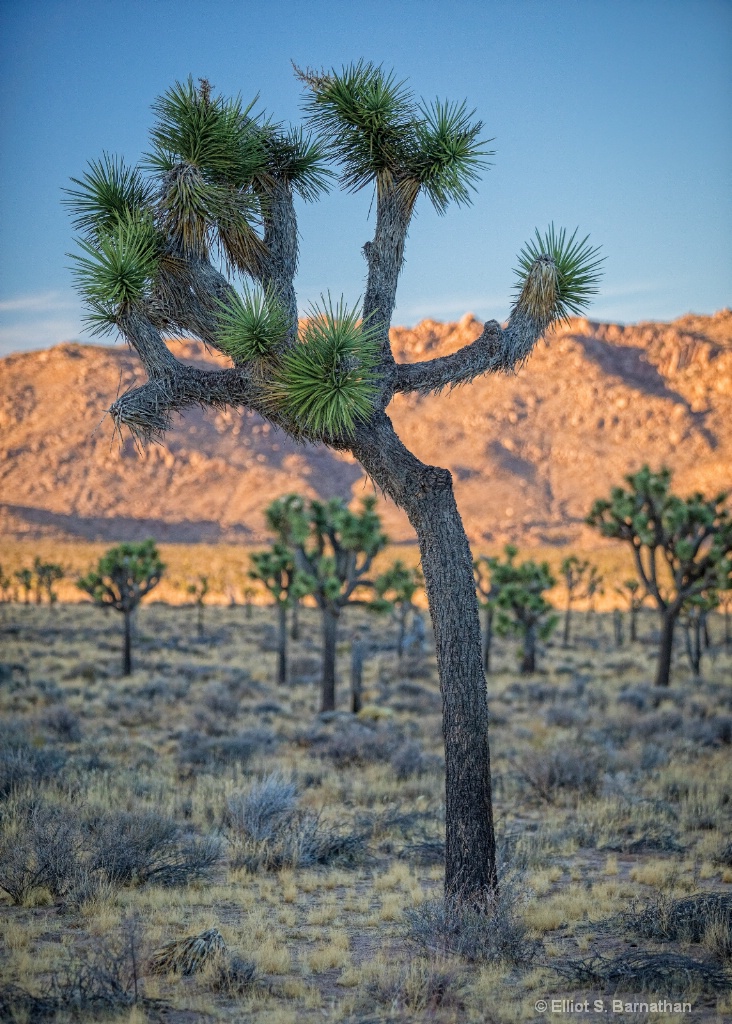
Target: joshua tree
x,y
248,593
276,570
396,588
694,621
573,570
682,546
120,581
198,591
335,549
485,584
634,595
522,607
47,575
25,579
224,180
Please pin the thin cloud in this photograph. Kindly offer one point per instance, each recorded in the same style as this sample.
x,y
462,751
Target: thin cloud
x,y
41,302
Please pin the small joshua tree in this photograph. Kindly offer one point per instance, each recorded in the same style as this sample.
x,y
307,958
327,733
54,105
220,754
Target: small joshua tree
x,y
573,571
334,548
395,589
487,588
48,575
522,607
25,580
198,591
124,575
222,180
634,596
694,620
276,570
682,546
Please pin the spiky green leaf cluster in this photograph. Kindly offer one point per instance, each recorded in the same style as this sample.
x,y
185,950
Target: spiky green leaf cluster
x,y
214,134
380,136
556,276
251,325
276,569
108,192
115,272
448,157
326,382
299,160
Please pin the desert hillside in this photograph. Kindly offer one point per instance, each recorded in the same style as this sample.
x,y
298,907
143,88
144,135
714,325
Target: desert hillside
x,y
528,453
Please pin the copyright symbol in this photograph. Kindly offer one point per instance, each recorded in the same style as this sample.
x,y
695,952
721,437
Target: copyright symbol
x,y
541,1005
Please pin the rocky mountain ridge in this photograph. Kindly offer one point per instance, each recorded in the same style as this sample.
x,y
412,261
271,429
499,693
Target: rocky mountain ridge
x,y
528,452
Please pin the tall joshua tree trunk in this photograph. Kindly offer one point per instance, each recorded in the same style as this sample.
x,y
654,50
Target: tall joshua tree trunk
x,y
425,493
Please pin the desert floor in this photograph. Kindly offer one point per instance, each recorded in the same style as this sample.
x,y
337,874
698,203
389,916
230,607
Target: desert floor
x,y
196,796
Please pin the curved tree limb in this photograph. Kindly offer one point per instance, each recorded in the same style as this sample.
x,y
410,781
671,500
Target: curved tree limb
x,y
497,350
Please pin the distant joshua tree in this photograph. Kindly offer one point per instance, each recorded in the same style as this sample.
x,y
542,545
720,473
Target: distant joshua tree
x,y
25,580
522,607
122,578
634,596
276,569
573,570
223,181
487,588
47,575
198,591
682,546
395,589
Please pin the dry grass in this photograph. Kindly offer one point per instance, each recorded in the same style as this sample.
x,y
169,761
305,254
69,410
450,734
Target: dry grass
x,y
191,734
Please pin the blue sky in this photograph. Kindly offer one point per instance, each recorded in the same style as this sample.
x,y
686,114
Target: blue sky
x,y
610,115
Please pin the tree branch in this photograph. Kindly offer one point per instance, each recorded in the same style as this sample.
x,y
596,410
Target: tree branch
x,y
497,350
146,410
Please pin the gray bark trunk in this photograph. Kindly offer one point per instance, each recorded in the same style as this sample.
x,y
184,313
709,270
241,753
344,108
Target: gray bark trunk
x,y
330,635
663,668
426,495
127,644
528,661
356,674
281,643
487,640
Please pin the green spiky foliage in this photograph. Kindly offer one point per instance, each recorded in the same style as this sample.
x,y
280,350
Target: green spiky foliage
x,y
326,382
117,271
556,276
682,546
251,325
380,136
521,606
298,160
573,570
214,166
122,577
107,193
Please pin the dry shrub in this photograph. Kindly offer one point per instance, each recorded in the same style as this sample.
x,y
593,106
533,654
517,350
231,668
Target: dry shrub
x,y
138,847
703,917
491,933
39,850
547,773
271,833
670,973
421,986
